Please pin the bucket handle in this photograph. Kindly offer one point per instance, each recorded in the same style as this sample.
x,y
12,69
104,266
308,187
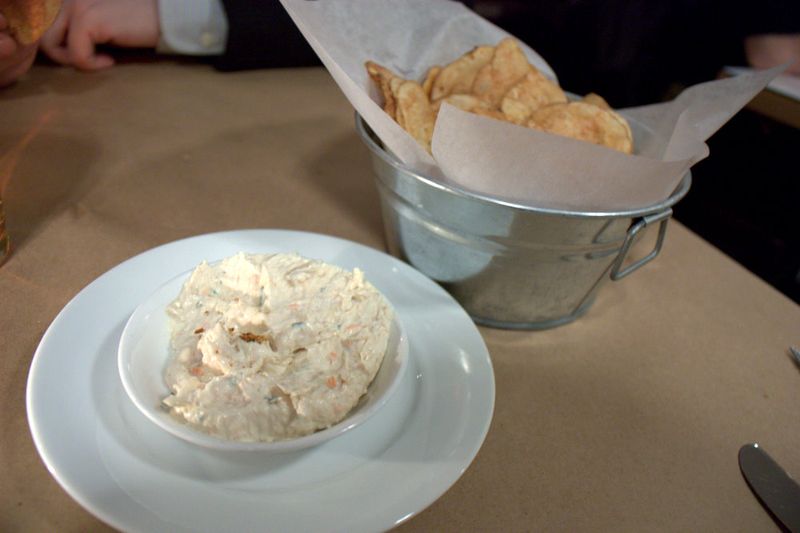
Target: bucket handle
x,y
617,272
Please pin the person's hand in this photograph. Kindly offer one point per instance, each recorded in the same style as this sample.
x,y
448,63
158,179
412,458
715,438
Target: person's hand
x,y
765,51
82,24
15,59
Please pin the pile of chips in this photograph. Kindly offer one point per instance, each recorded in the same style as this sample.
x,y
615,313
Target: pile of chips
x,y
498,82
28,19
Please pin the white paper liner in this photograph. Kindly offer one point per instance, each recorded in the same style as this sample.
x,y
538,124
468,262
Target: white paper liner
x,y
498,159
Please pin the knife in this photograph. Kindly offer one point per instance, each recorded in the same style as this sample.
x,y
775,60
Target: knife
x,y
778,492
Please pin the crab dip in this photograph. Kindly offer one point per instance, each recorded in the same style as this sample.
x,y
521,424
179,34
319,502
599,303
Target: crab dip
x,y
272,347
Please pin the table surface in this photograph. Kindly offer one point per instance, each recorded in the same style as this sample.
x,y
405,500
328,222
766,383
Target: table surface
x,y
629,418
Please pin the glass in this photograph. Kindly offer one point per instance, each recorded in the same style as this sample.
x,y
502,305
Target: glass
x,y
5,242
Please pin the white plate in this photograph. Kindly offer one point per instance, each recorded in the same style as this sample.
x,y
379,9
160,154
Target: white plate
x,y
131,474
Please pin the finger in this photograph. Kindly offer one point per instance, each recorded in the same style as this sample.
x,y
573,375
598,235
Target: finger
x,y
99,62
52,42
58,54
56,51
54,35
3,23
81,44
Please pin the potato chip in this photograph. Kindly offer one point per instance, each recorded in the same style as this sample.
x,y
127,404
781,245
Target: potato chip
x,y
498,82
29,19
414,112
458,76
489,112
507,67
430,77
387,81
596,99
530,93
586,122
627,127
468,103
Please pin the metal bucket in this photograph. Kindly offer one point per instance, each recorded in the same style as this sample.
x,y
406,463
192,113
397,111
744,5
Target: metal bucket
x,y
509,266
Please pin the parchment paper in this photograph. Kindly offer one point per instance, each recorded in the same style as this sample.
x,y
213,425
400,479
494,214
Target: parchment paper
x,y
498,159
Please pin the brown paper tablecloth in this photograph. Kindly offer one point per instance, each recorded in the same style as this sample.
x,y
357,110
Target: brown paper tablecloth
x,y
628,419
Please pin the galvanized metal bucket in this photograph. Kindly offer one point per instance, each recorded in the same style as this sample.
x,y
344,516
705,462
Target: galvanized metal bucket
x,y
509,266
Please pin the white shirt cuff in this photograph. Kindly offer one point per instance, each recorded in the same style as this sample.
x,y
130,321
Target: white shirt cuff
x,y
192,27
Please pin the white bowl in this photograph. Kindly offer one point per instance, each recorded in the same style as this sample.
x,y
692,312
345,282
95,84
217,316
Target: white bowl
x,y
144,350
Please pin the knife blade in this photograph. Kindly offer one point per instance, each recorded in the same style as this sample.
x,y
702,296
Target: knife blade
x,y
774,488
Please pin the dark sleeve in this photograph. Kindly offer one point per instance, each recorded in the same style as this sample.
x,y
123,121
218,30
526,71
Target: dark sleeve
x,y
262,35
772,16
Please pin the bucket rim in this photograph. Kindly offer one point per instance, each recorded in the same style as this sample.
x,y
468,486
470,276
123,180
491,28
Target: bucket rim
x,y
369,138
